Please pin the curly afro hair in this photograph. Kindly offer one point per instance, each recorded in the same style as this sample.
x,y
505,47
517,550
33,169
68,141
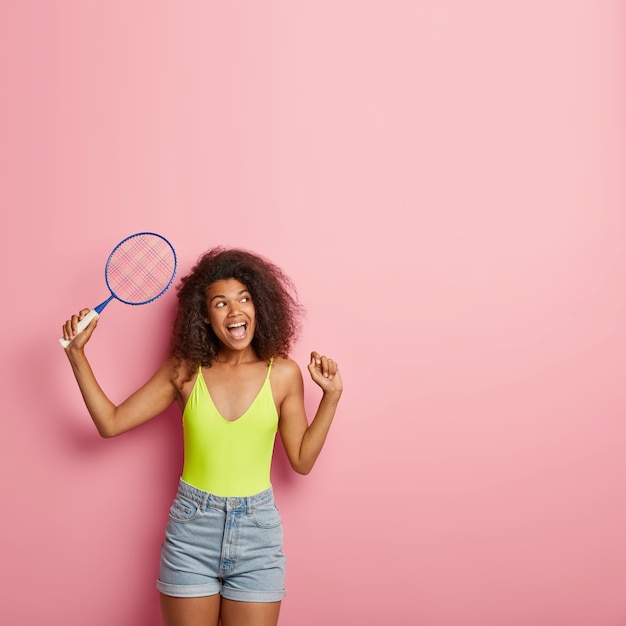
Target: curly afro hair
x,y
278,312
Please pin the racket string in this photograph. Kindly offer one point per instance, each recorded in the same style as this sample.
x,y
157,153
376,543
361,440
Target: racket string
x,y
141,268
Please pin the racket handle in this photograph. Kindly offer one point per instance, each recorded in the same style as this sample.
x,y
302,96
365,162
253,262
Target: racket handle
x,y
81,326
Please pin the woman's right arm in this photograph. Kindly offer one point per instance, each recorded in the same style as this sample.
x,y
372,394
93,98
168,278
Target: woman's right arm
x,y
147,402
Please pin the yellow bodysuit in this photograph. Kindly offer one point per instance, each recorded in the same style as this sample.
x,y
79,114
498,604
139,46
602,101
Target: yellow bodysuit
x,y
229,458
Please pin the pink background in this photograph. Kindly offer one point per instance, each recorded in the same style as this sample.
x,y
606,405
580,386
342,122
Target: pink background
x,y
445,183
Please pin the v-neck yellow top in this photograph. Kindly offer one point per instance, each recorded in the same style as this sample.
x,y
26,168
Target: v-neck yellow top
x,y
229,458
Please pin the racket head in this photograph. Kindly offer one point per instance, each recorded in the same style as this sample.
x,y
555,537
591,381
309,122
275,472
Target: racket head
x,y
140,268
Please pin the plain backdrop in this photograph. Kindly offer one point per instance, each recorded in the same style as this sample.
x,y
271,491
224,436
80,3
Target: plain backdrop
x,y
444,181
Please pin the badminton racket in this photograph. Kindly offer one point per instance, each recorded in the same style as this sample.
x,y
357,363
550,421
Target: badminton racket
x,y
139,270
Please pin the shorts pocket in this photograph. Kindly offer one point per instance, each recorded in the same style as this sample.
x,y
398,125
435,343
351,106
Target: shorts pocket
x,y
183,510
266,516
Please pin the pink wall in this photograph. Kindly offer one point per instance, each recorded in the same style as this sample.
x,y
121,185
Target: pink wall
x,y
444,181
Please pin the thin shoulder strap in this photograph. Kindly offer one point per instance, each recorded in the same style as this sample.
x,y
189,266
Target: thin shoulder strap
x,y
269,368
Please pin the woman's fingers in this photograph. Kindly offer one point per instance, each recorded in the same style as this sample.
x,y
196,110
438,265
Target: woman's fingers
x,y
324,365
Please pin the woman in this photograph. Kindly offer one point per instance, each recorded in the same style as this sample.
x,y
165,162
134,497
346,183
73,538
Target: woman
x,y
229,372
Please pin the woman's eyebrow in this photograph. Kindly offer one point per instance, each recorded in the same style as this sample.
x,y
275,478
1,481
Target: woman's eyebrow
x,y
239,293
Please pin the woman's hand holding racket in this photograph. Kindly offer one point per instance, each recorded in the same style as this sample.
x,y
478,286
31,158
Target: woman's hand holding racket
x,y
75,333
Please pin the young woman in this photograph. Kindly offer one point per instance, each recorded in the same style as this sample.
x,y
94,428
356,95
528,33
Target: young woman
x,y
229,371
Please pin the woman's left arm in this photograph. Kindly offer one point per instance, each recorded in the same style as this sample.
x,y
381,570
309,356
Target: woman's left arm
x,y
303,442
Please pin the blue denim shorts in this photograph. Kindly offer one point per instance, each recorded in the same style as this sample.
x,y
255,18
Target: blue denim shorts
x,y
230,546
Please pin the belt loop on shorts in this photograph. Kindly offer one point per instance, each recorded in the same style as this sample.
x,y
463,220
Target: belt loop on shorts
x,y
211,501
252,502
259,499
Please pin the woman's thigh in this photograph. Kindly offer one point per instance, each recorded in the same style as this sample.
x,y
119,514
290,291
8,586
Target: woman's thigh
x,y
190,611
249,613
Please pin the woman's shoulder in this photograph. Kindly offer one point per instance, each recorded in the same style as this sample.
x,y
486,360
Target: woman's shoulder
x,y
285,365
177,372
285,371
286,378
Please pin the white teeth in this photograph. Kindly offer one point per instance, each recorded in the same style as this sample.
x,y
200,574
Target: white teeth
x,y
236,325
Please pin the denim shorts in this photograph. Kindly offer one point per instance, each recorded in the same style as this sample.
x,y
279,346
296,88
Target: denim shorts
x,y
230,546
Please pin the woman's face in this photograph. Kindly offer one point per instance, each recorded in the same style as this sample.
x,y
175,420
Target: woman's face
x,y
231,313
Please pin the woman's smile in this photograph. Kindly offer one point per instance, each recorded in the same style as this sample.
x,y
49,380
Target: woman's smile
x,y
237,330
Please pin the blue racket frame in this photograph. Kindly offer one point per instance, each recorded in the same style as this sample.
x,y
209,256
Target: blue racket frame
x,y
98,309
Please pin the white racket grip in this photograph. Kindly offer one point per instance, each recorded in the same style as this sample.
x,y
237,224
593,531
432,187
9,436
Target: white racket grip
x,y
81,326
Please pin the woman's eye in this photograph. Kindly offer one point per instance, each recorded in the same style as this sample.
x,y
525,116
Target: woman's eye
x,y
219,304
244,299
